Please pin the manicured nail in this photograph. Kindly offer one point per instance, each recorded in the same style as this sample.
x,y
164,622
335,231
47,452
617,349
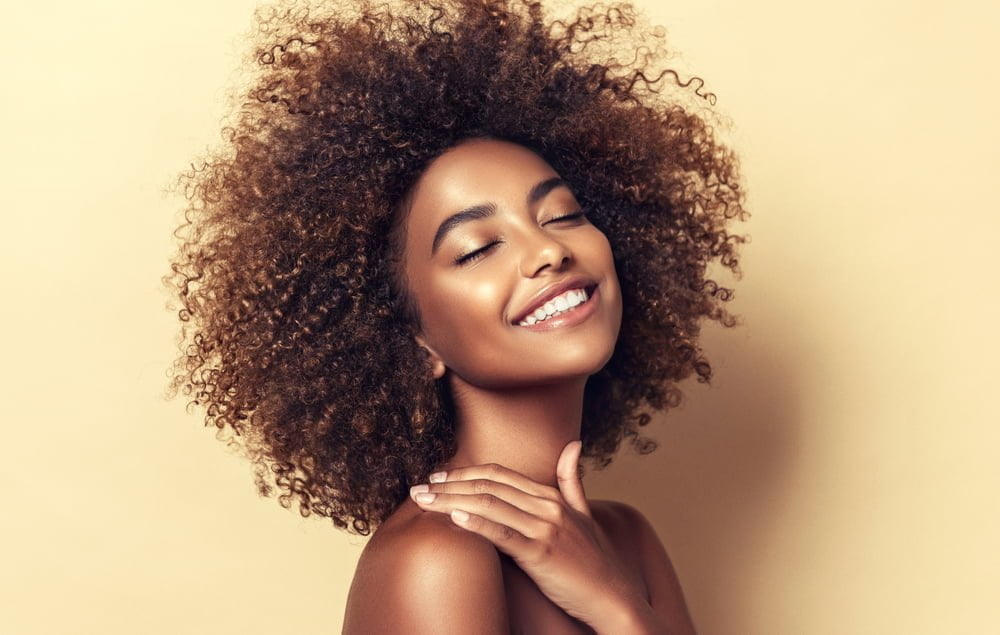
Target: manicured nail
x,y
459,516
437,477
425,497
416,489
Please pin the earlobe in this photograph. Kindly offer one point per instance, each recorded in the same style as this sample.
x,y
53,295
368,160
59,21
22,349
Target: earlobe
x,y
437,364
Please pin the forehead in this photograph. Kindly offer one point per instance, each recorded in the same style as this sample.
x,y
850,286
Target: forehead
x,y
476,171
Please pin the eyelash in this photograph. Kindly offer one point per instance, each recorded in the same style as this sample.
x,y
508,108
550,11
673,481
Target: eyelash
x,y
473,256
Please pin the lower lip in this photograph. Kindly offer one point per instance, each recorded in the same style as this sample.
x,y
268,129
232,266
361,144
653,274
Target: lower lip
x,y
577,314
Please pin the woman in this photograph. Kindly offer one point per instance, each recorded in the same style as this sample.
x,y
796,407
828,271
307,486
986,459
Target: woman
x,y
455,239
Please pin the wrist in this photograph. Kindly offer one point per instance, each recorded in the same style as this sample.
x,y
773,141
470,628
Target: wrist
x,y
630,618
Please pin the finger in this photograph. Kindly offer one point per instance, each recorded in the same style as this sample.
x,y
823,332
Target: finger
x,y
535,505
568,477
501,474
506,539
488,506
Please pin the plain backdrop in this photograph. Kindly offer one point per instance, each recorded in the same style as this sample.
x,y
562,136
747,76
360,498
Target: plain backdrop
x,y
839,476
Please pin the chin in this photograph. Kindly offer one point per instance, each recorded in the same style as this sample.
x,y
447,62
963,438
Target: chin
x,y
553,368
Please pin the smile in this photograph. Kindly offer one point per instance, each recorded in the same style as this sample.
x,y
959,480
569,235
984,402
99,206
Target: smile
x,y
567,309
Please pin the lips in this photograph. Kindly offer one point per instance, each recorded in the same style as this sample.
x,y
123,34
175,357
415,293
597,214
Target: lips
x,y
551,291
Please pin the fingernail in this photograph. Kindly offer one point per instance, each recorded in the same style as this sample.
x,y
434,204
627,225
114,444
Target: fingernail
x,y
437,477
459,516
416,489
425,497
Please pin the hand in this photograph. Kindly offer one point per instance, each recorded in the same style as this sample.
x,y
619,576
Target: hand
x,y
550,533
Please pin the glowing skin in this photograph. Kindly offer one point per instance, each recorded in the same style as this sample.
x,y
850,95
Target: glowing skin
x,y
518,391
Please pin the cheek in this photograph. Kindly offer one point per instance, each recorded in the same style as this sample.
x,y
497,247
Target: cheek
x,y
602,253
598,251
463,312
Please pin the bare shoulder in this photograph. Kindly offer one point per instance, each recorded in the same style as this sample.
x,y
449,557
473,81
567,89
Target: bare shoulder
x,y
631,526
423,574
618,515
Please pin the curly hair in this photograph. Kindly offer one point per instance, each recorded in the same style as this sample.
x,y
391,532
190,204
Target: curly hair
x,y
296,329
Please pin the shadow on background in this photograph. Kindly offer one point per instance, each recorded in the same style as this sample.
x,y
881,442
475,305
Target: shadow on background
x,y
716,483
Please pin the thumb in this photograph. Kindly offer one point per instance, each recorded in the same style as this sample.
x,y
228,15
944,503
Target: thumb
x,y
570,485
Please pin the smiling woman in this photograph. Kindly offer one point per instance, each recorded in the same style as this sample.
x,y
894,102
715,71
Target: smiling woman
x,y
449,250
531,253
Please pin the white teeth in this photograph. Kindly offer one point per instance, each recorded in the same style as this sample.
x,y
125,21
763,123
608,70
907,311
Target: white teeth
x,y
559,304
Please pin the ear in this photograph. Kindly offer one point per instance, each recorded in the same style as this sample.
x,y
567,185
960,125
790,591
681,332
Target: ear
x,y
437,364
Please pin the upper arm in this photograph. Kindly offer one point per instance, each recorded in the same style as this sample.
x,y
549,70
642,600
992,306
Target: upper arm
x,y
433,580
665,593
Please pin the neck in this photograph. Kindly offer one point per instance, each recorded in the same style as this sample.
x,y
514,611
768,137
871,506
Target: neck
x,y
524,428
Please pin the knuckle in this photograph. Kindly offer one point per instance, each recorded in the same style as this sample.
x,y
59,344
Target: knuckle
x,y
553,510
552,494
505,533
549,533
560,516
542,552
486,500
480,486
495,469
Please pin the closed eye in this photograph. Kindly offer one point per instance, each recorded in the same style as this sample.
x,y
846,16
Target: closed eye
x,y
568,217
473,256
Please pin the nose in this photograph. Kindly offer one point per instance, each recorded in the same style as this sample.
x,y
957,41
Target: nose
x,y
542,250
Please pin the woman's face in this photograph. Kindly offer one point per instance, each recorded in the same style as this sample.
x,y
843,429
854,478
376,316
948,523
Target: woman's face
x,y
486,245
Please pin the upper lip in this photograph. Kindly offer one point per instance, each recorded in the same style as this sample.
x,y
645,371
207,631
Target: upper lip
x,y
551,291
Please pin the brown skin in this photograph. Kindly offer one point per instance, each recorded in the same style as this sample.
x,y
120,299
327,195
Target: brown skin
x,y
299,343
566,567
420,572
296,340
552,536
518,394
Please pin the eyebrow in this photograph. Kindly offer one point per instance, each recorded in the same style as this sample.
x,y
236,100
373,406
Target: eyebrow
x,y
484,210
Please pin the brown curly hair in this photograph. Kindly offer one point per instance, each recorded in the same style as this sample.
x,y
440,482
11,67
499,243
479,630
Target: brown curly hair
x,y
297,332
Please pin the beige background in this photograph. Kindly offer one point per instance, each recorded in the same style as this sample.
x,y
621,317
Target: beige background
x,y
839,477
